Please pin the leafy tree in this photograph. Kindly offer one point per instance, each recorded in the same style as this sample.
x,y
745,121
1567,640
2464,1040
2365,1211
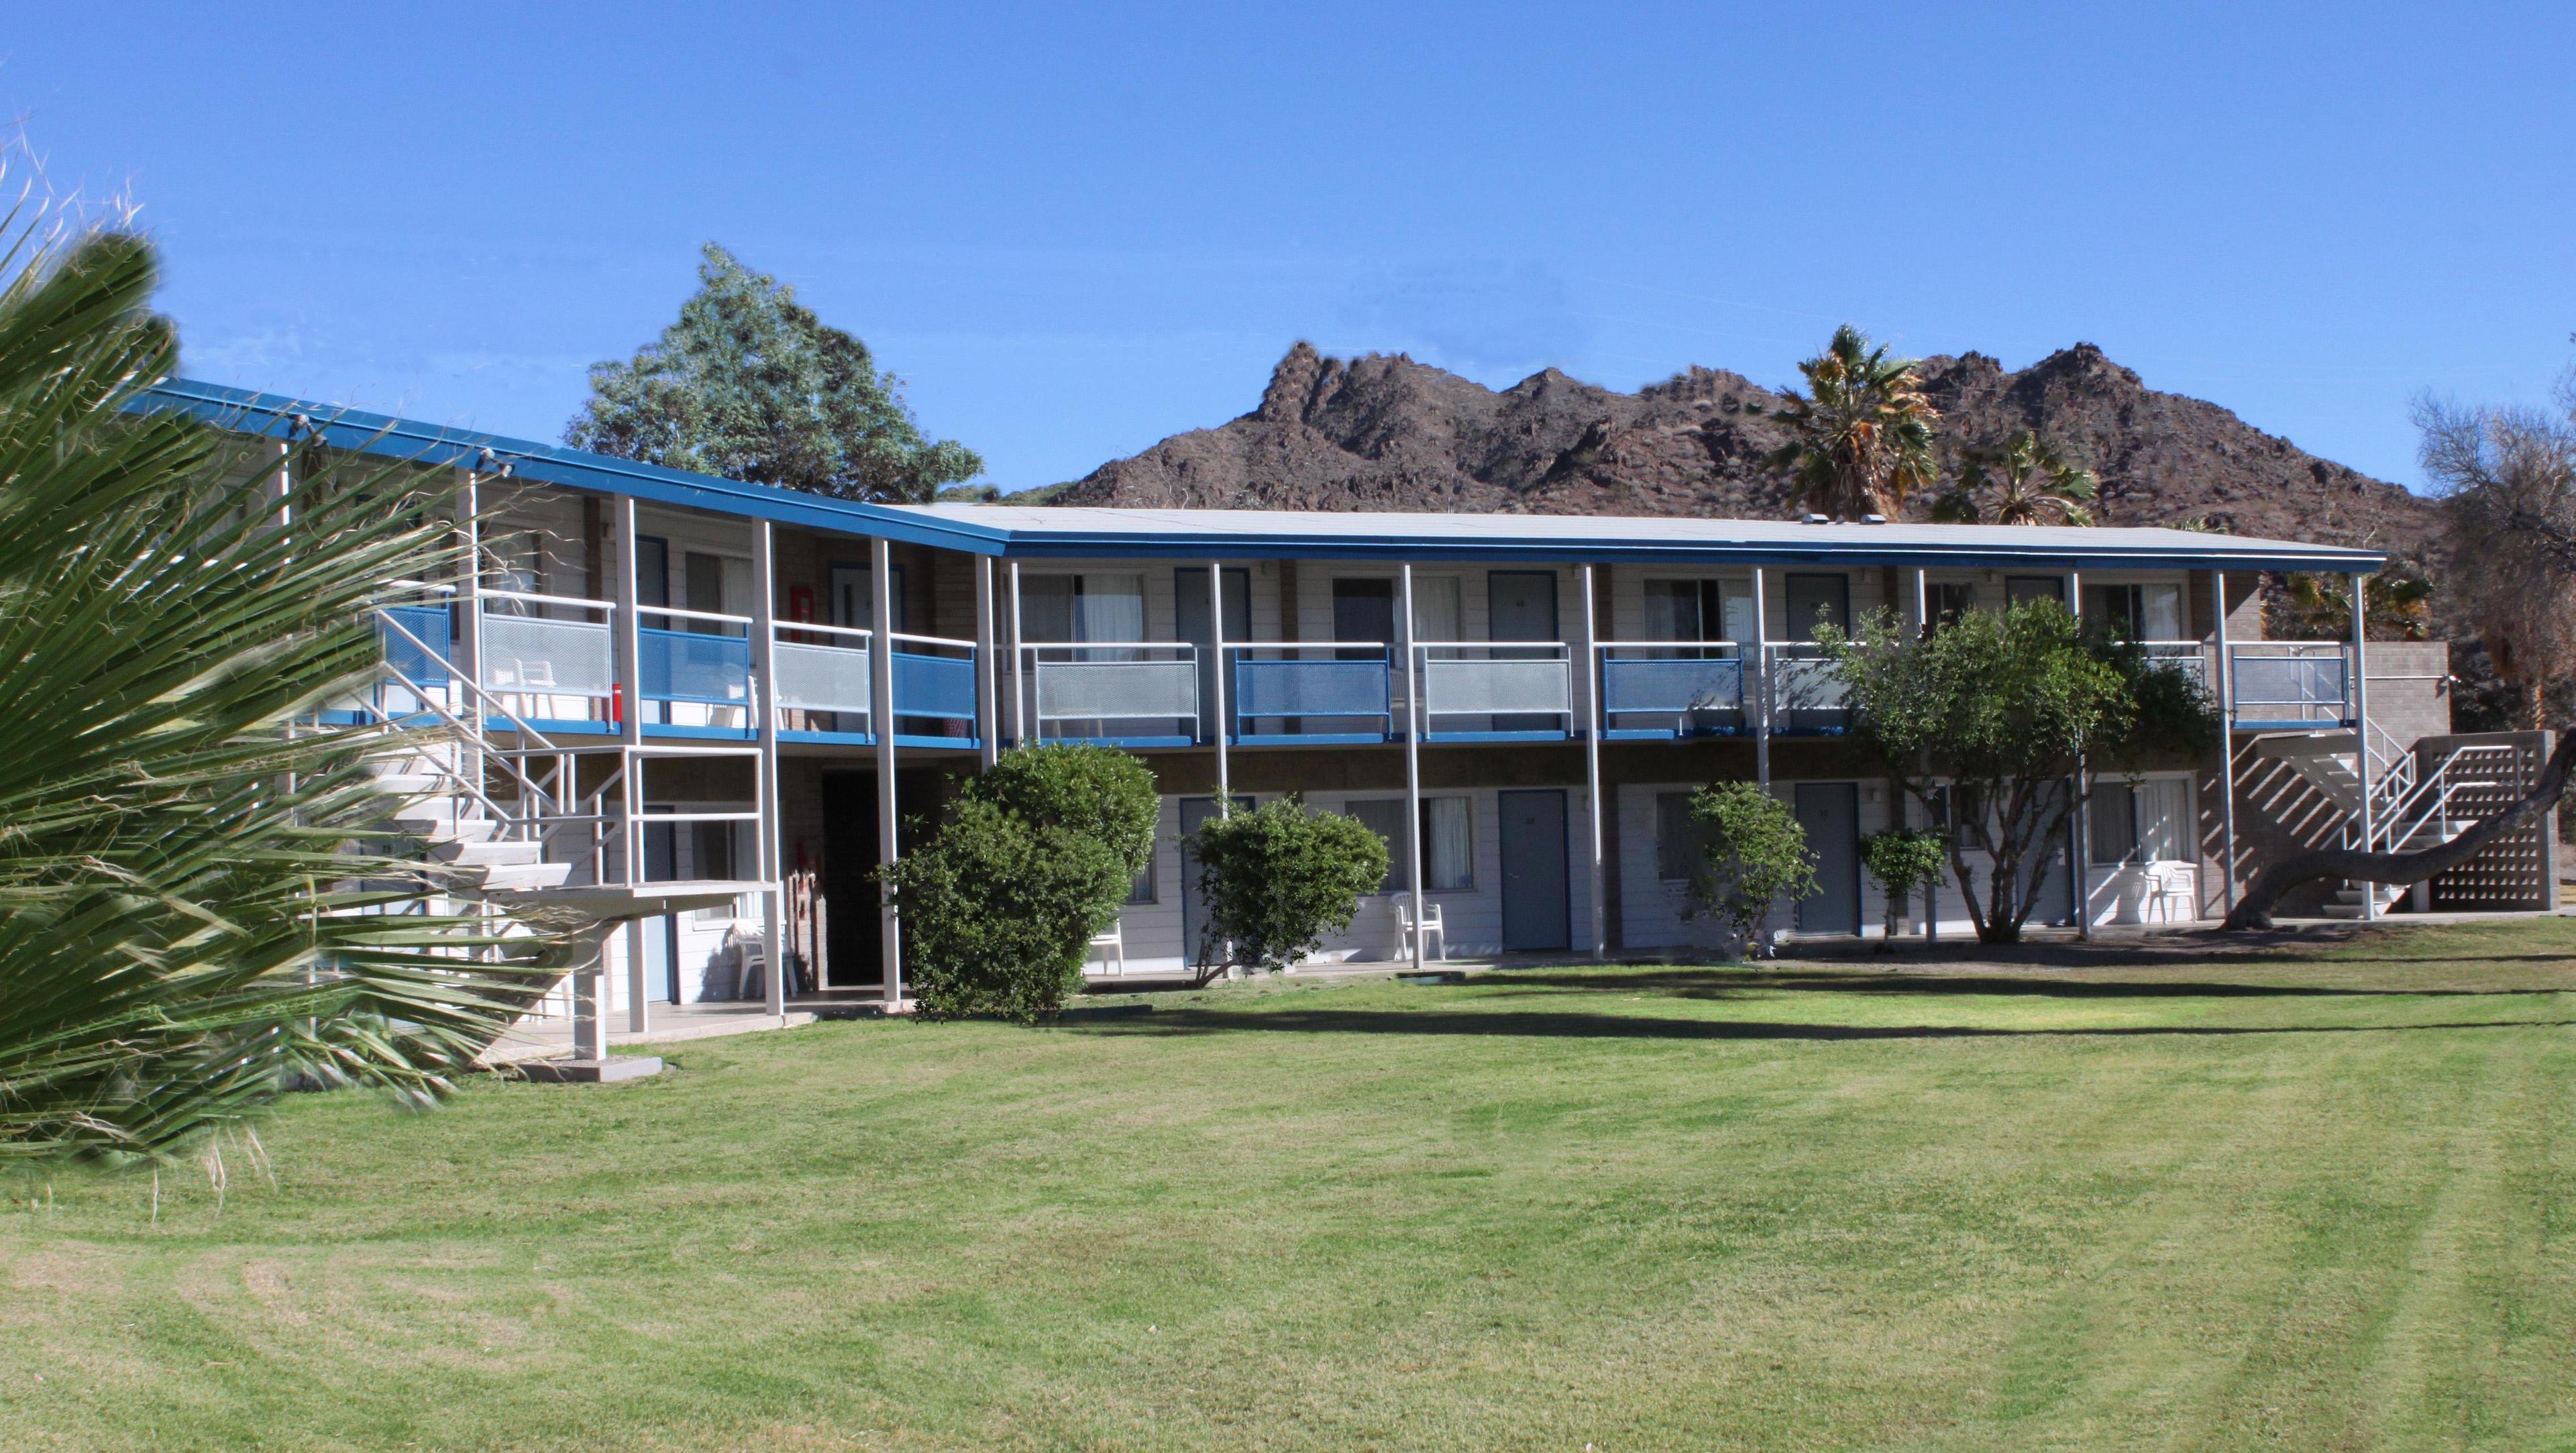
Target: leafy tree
x,y
1861,436
2507,477
200,903
1905,860
1754,850
1278,878
749,384
2025,482
2004,708
1034,861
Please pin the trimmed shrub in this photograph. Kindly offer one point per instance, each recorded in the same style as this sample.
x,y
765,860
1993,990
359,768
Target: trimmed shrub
x,y
1278,878
1035,859
1100,793
1755,851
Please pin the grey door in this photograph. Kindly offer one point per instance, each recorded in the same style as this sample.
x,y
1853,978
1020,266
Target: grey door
x,y
661,935
1521,606
1830,814
1535,904
1190,588
1194,810
1818,600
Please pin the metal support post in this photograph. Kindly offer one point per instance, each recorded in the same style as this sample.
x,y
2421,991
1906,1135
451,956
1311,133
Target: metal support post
x,y
1761,681
988,735
1216,636
1412,767
1019,664
2226,740
1592,720
2078,840
2361,738
881,723
764,677
628,642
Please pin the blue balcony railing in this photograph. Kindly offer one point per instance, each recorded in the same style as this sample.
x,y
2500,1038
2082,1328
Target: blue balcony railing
x,y
1656,690
1312,692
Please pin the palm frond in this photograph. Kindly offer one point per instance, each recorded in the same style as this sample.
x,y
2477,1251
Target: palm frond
x,y
199,901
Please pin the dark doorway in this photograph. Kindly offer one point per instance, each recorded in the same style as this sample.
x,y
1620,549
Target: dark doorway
x,y
1830,814
2018,588
854,942
1536,909
661,935
1818,600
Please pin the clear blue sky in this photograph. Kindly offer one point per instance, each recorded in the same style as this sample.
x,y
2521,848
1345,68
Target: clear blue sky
x,y
1076,231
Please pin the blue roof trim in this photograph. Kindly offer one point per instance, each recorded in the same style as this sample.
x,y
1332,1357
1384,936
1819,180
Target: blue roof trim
x,y
280,417
276,416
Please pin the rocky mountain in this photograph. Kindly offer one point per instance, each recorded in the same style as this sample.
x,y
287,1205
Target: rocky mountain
x,y
1386,433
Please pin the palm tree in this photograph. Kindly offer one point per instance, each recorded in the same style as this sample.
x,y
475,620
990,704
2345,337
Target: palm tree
x,y
1861,436
199,900
2029,481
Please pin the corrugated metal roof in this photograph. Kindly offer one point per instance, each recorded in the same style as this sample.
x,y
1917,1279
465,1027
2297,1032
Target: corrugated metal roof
x,y
1046,532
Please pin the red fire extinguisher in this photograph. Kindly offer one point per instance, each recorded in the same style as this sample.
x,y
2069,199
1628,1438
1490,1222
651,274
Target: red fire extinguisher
x,y
617,703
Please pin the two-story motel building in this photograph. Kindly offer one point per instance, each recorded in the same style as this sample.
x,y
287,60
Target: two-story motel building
x,y
1520,704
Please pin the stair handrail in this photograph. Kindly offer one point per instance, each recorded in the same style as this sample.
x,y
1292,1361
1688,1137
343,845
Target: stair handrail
x,y
466,679
463,785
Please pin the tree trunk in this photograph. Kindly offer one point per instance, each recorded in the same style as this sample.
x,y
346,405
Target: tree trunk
x,y
2254,910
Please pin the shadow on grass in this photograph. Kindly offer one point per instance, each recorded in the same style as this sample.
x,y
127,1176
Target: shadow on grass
x,y
1541,1025
1733,984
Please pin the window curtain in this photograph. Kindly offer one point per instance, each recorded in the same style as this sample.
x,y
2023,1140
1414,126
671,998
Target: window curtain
x,y
2115,830
1110,608
2164,820
1450,843
2163,613
1435,608
1672,610
1736,605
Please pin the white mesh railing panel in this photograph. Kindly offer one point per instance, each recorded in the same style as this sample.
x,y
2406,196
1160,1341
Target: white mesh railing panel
x,y
558,658
1480,688
1116,690
1805,685
820,678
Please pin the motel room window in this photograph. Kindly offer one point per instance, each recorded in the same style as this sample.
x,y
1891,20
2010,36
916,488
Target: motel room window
x,y
2019,588
1435,609
1947,600
1699,610
1448,841
1094,606
2140,612
2141,822
1142,889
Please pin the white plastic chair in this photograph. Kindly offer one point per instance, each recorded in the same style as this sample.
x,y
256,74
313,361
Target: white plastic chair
x,y
2169,893
1431,923
1112,945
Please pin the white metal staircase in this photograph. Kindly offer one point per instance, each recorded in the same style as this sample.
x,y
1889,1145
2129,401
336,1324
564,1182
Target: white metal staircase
x,y
2409,809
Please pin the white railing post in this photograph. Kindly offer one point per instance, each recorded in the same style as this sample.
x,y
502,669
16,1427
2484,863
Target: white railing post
x,y
881,722
772,853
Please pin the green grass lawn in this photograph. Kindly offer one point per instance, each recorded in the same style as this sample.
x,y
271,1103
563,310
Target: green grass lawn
x,y
2300,1199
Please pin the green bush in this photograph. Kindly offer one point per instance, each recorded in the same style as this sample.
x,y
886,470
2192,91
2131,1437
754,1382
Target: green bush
x,y
1904,859
1755,851
1103,794
1035,859
1278,878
